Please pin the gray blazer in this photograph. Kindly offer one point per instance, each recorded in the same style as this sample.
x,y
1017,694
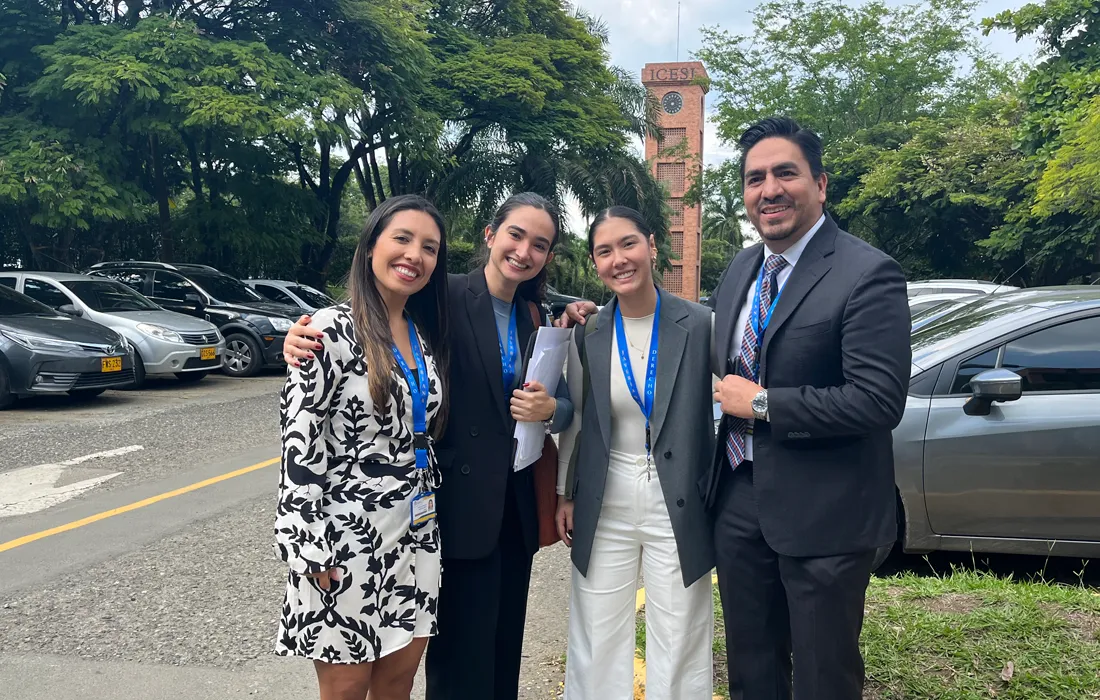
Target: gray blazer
x,y
682,430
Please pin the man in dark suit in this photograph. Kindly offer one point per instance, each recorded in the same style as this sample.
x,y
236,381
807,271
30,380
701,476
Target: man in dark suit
x,y
813,327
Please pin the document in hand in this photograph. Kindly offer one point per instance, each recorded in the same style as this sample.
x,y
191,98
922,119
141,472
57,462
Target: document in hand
x,y
545,366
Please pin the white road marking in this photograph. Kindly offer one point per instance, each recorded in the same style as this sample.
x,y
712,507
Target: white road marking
x,y
101,455
31,489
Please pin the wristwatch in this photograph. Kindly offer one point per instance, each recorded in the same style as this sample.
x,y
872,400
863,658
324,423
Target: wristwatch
x,y
760,405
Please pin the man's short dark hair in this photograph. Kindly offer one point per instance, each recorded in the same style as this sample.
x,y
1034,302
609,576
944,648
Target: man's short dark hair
x,y
785,128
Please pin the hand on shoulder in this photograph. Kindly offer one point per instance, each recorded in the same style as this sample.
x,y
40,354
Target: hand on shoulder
x,y
576,313
302,340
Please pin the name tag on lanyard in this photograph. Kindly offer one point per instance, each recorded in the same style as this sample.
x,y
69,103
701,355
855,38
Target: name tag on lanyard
x,y
423,508
423,504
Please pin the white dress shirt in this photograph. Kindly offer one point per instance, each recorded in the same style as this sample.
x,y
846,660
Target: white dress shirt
x,y
792,255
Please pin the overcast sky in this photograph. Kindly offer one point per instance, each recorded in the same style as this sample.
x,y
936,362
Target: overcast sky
x,y
644,31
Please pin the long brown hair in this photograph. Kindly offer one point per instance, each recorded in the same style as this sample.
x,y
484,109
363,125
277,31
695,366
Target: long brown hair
x,y
427,308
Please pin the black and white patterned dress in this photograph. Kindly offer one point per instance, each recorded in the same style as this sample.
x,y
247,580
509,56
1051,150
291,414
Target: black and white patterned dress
x,y
346,488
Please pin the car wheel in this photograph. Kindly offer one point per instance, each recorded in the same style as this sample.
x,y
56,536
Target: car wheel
x,y
242,356
6,397
190,377
883,553
139,372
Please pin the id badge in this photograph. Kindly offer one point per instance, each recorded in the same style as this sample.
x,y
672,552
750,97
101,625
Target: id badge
x,y
423,508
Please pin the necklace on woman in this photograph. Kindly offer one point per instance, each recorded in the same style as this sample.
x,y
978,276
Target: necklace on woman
x,y
644,348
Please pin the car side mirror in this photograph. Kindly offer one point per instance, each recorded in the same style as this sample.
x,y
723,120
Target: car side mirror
x,y
992,385
70,310
192,298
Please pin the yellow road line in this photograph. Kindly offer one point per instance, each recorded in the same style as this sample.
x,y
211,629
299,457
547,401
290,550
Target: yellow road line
x,y
639,662
34,537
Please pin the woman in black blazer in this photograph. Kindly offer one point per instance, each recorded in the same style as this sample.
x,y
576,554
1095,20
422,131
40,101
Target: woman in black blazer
x,y
487,511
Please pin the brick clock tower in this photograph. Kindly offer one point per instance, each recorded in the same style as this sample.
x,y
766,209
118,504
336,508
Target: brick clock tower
x,y
681,118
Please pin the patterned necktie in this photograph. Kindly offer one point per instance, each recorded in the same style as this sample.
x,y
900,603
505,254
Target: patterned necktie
x,y
747,356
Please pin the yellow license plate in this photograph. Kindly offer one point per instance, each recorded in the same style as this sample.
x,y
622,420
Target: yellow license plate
x,y
112,364
208,354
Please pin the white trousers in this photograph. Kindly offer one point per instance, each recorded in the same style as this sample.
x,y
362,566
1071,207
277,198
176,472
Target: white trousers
x,y
634,535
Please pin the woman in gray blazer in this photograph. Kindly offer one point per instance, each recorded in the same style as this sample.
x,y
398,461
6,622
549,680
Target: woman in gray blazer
x,y
640,444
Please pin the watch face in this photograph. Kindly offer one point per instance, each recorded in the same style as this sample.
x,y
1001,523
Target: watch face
x,y
672,102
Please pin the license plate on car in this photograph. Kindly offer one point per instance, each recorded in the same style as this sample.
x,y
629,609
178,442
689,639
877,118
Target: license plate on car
x,y
208,354
112,364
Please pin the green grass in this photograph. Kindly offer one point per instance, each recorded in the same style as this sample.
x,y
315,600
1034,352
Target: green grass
x,y
954,637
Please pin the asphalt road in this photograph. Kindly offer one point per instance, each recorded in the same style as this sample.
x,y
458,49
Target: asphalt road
x,y
178,597
136,563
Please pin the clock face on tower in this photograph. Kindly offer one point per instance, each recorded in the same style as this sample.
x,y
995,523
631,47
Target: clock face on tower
x,y
672,102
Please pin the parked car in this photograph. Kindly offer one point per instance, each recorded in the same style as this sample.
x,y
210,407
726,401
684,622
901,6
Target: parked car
x,y
999,446
556,301
253,327
956,287
165,343
43,351
305,298
924,302
924,315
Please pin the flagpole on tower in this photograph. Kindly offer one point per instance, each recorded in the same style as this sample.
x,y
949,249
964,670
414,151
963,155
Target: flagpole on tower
x,y
677,31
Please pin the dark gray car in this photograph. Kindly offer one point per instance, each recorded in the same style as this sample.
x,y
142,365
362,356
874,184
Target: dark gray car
x,y
45,352
999,447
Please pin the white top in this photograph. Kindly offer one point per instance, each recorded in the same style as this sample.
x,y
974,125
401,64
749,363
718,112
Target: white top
x,y
627,421
792,255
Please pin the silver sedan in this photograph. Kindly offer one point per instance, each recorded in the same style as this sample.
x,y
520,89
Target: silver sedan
x,y
999,447
165,343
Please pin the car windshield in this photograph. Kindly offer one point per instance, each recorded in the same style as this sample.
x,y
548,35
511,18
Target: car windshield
x,y
12,303
225,288
958,326
931,311
108,296
311,296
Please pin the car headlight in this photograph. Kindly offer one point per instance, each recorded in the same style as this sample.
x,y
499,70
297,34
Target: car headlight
x,y
159,332
34,342
281,324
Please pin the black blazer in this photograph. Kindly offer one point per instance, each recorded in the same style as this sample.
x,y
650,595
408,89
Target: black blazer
x,y
835,360
475,452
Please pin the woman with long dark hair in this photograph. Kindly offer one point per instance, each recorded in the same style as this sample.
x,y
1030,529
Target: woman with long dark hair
x,y
487,510
629,472
356,510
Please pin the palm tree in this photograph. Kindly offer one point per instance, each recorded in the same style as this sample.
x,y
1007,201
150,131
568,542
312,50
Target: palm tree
x,y
496,164
723,216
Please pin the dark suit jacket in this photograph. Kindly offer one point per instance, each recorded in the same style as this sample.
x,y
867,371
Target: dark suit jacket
x,y
682,431
475,453
835,360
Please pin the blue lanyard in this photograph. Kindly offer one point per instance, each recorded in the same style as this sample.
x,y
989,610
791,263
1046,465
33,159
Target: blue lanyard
x,y
419,391
650,370
509,355
759,327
